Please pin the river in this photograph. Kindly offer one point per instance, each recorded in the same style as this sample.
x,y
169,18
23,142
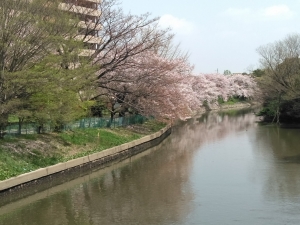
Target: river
x,y
220,168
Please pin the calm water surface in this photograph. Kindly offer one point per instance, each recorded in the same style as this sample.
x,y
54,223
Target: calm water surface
x,y
215,169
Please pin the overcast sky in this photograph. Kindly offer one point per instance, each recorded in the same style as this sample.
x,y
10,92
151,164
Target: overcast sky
x,y
223,35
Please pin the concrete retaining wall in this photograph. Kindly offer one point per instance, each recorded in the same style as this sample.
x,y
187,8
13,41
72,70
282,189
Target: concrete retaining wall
x,y
84,163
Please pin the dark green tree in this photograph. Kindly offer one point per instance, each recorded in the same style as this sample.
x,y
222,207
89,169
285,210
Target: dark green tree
x,y
258,72
227,72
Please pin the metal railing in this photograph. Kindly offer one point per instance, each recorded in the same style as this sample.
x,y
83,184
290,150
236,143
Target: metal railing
x,y
93,122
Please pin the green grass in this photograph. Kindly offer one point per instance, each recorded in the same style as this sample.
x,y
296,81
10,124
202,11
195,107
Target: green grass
x,y
105,137
13,165
26,153
102,139
231,101
154,125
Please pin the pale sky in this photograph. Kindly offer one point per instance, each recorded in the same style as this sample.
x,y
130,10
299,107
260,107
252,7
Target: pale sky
x,y
223,35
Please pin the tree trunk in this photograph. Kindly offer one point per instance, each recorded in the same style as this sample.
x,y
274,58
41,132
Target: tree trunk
x,y
277,114
20,126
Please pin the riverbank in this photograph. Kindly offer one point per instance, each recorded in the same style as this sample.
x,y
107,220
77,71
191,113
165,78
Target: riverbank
x,y
207,164
26,153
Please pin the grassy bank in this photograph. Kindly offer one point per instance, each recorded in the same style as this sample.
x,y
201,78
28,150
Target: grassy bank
x,y
26,153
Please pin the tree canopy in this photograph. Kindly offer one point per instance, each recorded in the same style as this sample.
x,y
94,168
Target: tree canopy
x,y
36,47
135,67
280,80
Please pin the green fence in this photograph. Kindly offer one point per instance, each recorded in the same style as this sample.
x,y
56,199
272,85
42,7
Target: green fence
x,y
93,122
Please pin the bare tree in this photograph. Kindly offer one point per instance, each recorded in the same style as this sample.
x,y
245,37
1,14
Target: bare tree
x,y
121,36
281,79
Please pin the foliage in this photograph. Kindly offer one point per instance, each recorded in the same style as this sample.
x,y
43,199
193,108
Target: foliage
x,y
280,82
136,67
269,110
37,50
56,100
227,72
258,72
233,100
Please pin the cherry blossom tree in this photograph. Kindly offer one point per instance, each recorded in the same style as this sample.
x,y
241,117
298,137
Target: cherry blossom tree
x,y
142,71
166,88
122,36
243,86
211,87
154,86
139,65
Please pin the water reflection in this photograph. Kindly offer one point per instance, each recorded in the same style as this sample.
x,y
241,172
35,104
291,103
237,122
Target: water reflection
x,y
277,150
211,127
218,168
139,192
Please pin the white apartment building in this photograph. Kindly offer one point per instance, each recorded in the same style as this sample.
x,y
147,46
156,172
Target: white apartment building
x,y
88,12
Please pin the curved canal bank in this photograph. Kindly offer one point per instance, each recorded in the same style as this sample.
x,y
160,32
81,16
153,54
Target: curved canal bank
x,y
71,168
218,168
48,174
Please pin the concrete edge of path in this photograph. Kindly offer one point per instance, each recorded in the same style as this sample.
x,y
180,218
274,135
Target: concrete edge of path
x,y
64,166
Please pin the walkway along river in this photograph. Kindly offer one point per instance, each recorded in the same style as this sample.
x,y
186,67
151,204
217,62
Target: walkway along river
x,y
215,169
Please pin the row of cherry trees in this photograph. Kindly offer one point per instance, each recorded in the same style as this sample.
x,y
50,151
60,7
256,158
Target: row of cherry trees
x,y
142,71
211,87
135,67
167,88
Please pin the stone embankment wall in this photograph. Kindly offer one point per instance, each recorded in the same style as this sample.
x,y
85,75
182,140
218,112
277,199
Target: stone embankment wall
x,y
84,163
